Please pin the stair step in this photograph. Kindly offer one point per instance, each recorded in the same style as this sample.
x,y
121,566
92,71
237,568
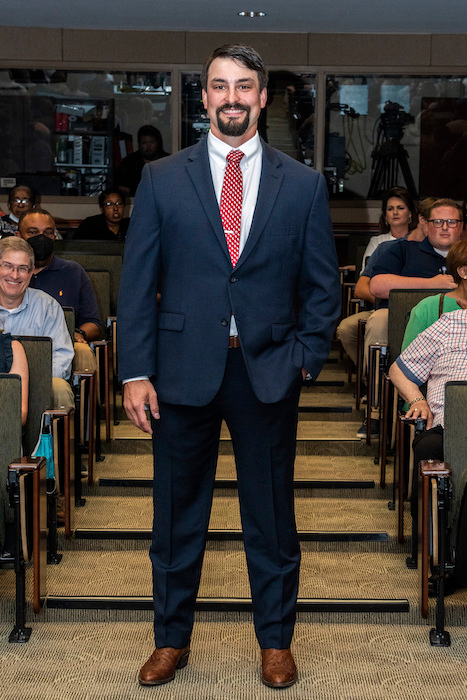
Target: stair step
x,y
327,605
353,574
224,483
231,535
321,513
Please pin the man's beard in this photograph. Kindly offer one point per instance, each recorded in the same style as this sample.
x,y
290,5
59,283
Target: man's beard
x,y
233,127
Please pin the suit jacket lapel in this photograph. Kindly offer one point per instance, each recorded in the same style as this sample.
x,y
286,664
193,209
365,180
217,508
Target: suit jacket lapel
x,y
269,185
199,171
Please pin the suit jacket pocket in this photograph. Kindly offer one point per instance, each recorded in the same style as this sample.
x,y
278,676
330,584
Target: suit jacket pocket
x,y
170,321
285,231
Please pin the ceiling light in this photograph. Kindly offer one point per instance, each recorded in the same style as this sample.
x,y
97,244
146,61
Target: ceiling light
x,y
252,14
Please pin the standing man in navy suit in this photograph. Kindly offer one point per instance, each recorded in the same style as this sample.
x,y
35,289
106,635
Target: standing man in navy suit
x,y
237,332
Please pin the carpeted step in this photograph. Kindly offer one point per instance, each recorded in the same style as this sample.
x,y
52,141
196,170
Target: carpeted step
x,y
316,513
315,437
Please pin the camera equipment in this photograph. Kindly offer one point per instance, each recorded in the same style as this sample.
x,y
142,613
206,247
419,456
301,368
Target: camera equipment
x,y
389,155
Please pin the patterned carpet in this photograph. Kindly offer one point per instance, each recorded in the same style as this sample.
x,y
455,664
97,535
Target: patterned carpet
x,y
99,660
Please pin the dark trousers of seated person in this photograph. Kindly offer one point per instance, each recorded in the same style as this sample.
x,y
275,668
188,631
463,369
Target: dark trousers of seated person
x,y
428,444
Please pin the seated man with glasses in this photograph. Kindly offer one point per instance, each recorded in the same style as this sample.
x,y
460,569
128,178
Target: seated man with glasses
x,y
20,200
108,226
413,265
66,281
25,311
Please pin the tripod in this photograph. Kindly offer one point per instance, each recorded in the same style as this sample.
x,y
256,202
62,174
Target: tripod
x,y
389,155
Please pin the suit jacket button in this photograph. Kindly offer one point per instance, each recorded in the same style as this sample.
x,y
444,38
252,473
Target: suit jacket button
x,y
233,279
224,322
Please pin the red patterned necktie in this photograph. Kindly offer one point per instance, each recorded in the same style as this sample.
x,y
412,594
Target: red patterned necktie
x,y
231,203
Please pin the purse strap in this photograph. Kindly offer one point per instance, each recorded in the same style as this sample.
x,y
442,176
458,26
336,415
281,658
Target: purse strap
x,y
441,304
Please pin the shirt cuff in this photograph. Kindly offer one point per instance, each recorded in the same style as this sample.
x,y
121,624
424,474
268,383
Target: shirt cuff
x,y
134,379
406,371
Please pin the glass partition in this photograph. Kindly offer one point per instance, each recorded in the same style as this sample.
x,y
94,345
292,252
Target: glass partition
x,y
287,122
384,130
65,132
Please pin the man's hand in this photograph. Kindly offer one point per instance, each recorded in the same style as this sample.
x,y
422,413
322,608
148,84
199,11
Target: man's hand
x,y
443,282
136,395
79,338
420,409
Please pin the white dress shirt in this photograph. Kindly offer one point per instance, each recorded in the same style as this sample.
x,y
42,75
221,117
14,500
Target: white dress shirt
x,y
251,172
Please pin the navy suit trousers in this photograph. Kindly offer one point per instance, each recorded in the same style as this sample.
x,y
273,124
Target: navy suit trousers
x,y
186,443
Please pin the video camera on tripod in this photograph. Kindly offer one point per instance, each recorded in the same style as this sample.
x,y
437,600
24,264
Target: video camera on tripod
x,y
389,156
393,120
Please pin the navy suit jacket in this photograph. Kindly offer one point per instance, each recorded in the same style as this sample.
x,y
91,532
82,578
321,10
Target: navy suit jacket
x,y
284,290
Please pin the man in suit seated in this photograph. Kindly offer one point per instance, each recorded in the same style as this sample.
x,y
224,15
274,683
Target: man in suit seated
x,y
66,281
237,238
25,311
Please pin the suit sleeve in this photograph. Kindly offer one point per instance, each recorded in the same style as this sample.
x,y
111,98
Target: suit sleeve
x,y
137,302
318,288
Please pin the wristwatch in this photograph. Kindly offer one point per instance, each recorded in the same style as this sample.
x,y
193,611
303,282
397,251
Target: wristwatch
x,y
81,332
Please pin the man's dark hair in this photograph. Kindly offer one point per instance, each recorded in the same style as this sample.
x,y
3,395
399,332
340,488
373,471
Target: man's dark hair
x,y
106,193
31,193
246,55
150,130
33,212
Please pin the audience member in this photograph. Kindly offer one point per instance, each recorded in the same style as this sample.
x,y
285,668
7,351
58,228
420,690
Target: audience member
x,y
436,356
66,281
398,217
412,265
431,308
150,147
20,200
25,311
110,225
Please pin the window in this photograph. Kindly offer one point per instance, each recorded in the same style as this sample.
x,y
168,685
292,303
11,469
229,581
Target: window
x,y
64,132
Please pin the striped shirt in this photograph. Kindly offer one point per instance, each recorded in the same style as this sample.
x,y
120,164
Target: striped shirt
x,y
438,355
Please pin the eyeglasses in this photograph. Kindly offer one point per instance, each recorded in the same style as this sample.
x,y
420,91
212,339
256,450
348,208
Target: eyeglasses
x,y
439,223
113,204
21,269
17,200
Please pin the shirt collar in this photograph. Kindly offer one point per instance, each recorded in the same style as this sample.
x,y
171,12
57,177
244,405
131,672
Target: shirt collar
x,y
218,150
19,308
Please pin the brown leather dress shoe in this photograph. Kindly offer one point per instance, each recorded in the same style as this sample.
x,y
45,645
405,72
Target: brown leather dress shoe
x,y
161,666
278,668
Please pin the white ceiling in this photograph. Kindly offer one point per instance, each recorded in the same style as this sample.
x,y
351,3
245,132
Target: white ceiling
x,y
397,16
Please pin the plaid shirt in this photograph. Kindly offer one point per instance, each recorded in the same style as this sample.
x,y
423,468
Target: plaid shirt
x,y
438,355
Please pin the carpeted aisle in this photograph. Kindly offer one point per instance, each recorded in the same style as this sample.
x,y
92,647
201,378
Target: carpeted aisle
x,y
99,661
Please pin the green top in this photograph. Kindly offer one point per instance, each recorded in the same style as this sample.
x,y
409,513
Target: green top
x,y
424,314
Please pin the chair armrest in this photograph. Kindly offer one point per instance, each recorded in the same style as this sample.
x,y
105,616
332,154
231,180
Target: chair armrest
x,y
28,464
435,468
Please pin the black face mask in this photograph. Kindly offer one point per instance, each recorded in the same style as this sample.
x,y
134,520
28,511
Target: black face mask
x,y
43,247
